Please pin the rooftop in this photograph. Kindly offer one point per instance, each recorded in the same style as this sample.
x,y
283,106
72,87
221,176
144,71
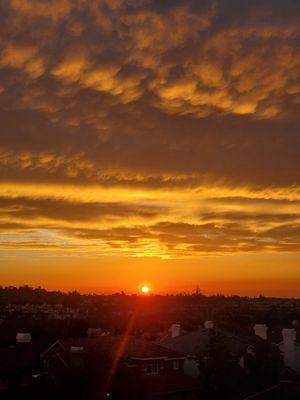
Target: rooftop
x,y
131,347
195,342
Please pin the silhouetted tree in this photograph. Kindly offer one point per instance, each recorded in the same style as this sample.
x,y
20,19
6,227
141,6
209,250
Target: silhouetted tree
x,y
221,376
263,364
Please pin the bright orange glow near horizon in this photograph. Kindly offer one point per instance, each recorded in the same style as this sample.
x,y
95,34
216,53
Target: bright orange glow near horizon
x,y
168,152
145,289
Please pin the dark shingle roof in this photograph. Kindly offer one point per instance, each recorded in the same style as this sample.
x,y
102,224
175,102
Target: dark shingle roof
x,y
132,347
195,342
191,343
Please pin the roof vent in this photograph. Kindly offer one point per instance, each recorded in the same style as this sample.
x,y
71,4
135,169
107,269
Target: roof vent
x,y
23,338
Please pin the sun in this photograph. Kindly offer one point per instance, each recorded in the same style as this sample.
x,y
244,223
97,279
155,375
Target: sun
x,y
145,289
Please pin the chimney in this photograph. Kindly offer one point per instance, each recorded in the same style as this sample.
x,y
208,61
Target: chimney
x,y
23,337
175,330
208,325
261,330
289,338
76,349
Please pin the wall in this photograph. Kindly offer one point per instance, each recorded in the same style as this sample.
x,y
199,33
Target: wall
x,y
191,366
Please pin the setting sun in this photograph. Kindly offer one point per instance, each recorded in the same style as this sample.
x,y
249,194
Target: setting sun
x,y
145,289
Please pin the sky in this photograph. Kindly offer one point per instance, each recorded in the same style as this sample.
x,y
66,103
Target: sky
x,y
150,142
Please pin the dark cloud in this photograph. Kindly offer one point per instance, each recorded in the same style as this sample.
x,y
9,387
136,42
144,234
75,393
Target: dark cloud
x,y
186,239
249,217
177,88
29,209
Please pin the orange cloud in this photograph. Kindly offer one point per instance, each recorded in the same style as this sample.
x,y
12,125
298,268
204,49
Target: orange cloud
x,y
54,9
23,57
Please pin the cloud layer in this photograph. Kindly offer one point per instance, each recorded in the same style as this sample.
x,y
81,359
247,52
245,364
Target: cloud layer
x,y
150,128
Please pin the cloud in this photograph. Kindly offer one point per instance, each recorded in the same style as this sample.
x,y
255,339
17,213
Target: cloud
x,y
54,9
181,240
171,127
71,68
145,228
248,217
64,210
23,57
244,71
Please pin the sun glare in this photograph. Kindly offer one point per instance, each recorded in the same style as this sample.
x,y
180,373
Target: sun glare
x,y
145,289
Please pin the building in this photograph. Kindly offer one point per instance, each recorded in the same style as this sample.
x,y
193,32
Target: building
x,y
118,367
194,343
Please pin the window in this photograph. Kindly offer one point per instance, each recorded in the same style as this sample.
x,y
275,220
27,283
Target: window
x,y
152,369
175,365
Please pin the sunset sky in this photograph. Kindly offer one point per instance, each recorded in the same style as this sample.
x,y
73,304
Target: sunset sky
x,y
150,142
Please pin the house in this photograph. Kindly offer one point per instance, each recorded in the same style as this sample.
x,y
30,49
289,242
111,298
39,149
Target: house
x,y
193,343
119,367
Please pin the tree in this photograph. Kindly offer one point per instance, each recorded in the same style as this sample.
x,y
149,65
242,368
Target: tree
x,y
221,376
264,364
